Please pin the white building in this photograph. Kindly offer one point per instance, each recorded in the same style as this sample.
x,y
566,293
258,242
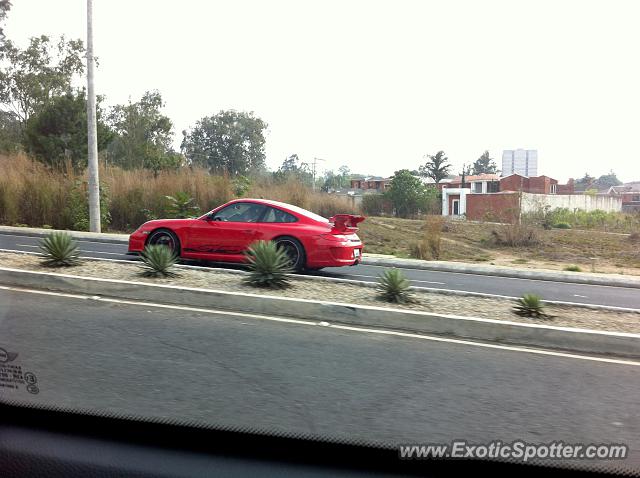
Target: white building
x,y
520,161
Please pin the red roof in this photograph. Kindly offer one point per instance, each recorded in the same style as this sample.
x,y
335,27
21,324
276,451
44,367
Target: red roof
x,y
478,177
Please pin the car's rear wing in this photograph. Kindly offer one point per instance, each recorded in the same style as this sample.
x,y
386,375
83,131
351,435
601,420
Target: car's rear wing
x,y
345,222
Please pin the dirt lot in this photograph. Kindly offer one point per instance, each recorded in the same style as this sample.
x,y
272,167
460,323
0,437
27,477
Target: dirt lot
x,y
500,309
471,242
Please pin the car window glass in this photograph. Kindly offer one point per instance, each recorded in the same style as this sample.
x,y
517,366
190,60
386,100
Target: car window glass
x,y
277,215
240,212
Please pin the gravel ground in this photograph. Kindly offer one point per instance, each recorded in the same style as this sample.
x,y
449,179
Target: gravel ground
x,y
490,308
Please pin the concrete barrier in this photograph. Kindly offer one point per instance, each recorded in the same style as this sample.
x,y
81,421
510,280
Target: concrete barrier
x,y
551,337
462,268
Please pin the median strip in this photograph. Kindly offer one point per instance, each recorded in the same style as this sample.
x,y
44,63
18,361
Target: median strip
x,y
574,329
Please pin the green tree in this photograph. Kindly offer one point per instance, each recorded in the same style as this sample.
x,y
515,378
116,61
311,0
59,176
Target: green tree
x,y
607,180
406,193
293,167
10,134
484,165
5,6
144,135
345,175
58,133
229,142
584,183
31,78
437,167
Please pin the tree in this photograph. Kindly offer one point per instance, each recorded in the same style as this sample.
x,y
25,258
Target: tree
x,y
437,167
229,142
607,180
31,78
585,182
406,193
58,133
484,165
144,135
5,6
293,167
10,133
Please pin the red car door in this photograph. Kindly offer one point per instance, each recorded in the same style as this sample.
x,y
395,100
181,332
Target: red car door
x,y
225,235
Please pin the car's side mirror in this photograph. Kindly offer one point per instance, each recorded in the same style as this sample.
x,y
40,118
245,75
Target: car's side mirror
x,y
210,217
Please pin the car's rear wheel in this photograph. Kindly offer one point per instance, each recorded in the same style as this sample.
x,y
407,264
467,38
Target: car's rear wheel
x,y
294,251
164,237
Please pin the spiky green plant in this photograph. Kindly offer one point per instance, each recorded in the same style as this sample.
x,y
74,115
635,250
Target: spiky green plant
x,y
59,250
269,265
394,287
157,261
530,305
181,206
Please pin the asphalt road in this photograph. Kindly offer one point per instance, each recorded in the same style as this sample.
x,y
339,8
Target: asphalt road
x,y
231,370
580,293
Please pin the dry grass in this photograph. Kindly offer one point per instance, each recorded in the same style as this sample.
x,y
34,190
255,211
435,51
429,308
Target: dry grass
x,y
514,235
430,246
34,195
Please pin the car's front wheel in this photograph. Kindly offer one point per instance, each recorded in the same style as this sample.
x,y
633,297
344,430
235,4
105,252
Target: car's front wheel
x,y
294,251
164,237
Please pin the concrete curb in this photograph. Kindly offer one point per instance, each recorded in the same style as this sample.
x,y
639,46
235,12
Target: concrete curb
x,y
438,266
567,339
360,283
461,268
84,236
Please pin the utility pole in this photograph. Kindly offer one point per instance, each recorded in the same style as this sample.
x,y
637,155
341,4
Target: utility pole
x,y
92,134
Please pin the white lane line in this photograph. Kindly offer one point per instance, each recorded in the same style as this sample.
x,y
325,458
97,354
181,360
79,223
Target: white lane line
x,y
336,326
35,238
578,295
81,250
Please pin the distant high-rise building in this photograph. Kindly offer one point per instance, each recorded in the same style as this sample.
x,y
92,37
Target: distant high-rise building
x,y
520,161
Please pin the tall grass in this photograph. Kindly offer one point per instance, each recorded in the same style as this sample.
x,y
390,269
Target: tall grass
x,y
430,246
34,195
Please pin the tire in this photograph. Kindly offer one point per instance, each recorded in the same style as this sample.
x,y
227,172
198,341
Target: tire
x,y
167,238
294,250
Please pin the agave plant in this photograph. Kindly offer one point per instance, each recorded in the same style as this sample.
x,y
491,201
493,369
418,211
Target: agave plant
x,y
157,261
530,305
269,265
394,287
59,250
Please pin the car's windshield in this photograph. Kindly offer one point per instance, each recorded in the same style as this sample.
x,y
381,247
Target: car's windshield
x,y
168,177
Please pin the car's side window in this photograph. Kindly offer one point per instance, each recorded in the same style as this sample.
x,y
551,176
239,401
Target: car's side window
x,y
277,215
240,212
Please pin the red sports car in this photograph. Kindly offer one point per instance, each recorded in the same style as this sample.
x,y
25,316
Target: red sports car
x,y
224,234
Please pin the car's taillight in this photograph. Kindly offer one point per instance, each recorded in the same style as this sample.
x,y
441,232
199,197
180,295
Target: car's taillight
x,y
334,237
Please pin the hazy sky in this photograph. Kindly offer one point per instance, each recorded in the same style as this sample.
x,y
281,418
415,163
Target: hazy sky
x,y
378,84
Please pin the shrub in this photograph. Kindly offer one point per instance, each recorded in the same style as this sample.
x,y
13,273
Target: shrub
x,y
515,235
430,246
375,205
562,225
181,206
59,250
394,287
530,305
573,268
157,261
78,206
269,266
